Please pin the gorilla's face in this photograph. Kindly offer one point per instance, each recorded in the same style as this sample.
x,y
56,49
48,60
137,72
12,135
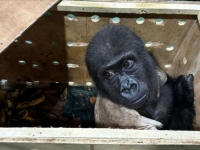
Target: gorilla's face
x,y
121,68
125,79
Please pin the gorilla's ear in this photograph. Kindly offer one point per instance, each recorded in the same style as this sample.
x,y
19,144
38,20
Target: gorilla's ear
x,y
162,75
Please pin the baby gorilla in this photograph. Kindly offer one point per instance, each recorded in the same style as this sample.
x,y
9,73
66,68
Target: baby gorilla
x,y
125,73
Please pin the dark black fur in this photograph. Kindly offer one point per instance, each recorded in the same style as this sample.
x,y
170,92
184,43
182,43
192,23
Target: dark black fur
x,y
182,114
125,73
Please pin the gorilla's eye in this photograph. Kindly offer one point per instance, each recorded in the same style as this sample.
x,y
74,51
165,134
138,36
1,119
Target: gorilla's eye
x,y
108,74
127,63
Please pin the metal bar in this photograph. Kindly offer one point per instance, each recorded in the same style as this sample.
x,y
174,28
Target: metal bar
x,y
190,8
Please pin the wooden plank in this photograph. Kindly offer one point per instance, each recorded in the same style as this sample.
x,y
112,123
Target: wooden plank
x,y
190,50
98,136
198,17
145,147
47,146
17,15
48,44
169,7
51,146
75,31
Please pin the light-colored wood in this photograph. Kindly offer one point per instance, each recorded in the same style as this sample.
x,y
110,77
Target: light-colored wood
x,y
17,15
190,50
131,7
48,45
98,136
75,31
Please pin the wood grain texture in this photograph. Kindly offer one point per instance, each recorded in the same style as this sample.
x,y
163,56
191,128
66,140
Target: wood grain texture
x,y
17,15
190,50
138,7
75,31
48,45
98,136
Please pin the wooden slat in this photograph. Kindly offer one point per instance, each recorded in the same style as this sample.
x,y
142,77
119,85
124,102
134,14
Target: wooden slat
x,y
48,45
75,31
169,7
17,15
190,50
98,136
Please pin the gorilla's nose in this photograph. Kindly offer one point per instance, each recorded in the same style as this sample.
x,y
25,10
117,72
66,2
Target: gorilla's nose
x,y
128,85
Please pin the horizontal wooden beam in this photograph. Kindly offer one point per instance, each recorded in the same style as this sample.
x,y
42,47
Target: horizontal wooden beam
x,y
98,136
170,7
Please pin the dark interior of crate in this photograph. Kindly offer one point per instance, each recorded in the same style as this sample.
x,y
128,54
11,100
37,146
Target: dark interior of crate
x,y
52,50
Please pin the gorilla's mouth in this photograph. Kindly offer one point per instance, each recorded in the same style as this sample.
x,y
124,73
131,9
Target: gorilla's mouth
x,y
136,101
125,90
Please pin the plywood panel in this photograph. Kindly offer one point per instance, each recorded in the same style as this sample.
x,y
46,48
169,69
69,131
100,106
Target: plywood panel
x,y
48,45
190,50
18,15
75,31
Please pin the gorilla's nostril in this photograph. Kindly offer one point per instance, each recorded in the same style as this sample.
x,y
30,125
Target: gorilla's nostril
x,y
133,86
128,88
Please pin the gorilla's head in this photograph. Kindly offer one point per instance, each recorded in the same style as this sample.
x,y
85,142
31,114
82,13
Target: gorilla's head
x,y
123,71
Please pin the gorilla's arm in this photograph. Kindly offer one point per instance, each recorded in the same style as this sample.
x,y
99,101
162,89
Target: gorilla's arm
x,y
175,106
183,112
164,103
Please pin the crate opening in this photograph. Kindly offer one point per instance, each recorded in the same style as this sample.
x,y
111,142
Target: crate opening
x,y
44,80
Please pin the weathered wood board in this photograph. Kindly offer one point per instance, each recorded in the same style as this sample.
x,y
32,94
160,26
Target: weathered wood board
x,y
125,6
47,37
17,16
98,136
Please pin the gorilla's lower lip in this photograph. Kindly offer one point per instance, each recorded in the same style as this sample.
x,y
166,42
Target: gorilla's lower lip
x,y
125,91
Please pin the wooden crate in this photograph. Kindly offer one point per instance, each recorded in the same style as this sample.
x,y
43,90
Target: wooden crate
x,y
55,37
